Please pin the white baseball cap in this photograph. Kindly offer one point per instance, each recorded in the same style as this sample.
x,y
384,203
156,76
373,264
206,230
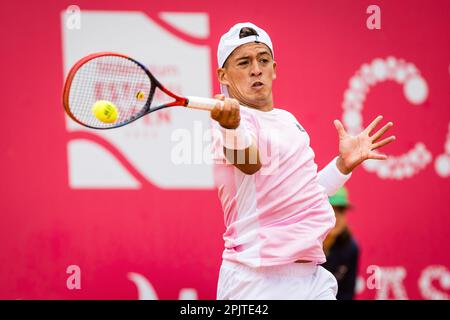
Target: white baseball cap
x,y
230,41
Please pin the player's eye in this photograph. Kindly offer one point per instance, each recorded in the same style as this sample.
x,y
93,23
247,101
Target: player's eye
x,y
243,63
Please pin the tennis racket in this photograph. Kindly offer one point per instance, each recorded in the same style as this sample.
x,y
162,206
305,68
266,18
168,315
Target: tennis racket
x,y
124,83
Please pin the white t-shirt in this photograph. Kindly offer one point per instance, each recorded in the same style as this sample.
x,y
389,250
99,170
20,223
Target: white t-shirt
x,y
281,213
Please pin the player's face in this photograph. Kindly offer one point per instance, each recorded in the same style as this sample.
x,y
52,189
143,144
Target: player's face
x,y
248,73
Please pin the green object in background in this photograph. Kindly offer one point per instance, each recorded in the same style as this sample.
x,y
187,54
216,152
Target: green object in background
x,y
340,198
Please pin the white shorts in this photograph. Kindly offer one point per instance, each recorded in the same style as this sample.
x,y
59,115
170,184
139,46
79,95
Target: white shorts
x,y
294,281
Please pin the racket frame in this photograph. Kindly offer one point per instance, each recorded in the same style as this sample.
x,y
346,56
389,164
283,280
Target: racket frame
x,y
179,100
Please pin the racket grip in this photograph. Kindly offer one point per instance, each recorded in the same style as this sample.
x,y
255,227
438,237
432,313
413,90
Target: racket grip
x,y
202,103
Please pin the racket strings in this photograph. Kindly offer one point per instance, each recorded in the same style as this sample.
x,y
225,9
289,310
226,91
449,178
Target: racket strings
x,y
115,79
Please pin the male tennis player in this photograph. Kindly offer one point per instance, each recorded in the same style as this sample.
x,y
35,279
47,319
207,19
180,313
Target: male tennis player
x,y
275,202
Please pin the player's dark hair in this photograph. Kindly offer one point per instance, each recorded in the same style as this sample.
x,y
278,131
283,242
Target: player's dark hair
x,y
247,31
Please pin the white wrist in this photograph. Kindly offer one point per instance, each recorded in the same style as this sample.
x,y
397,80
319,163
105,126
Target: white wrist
x,y
331,178
236,139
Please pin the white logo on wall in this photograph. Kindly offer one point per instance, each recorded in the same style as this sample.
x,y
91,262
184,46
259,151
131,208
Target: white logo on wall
x,y
415,90
388,282
442,163
439,274
147,292
138,153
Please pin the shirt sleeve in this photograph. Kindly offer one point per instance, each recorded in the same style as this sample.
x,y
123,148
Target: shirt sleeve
x,y
331,178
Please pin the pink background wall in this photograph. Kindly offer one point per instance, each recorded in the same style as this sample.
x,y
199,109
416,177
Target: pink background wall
x,y
173,237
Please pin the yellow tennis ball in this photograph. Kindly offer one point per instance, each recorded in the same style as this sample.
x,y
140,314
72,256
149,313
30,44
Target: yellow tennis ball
x,y
140,95
105,111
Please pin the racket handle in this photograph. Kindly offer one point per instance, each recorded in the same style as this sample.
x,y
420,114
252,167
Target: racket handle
x,y
202,103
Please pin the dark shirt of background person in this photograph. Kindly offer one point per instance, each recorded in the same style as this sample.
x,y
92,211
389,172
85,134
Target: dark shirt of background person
x,y
341,248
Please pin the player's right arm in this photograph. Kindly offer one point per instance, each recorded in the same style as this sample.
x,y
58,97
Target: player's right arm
x,y
228,116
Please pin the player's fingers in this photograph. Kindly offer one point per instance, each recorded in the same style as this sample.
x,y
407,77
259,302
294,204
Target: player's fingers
x,y
216,111
219,97
235,103
383,142
234,110
377,156
340,128
373,124
226,112
380,132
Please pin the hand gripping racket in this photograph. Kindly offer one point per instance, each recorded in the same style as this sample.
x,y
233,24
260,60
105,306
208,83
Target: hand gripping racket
x,y
123,83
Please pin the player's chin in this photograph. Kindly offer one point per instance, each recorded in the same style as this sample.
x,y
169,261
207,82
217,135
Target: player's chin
x,y
257,100
259,95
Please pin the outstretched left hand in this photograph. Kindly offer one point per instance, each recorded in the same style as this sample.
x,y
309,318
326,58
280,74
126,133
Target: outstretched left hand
x,y
354,150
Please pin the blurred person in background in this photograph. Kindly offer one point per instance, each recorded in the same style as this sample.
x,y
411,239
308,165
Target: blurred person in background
x,y
341,249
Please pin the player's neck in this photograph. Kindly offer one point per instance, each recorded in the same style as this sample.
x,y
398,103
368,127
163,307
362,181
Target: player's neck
x,y
264,106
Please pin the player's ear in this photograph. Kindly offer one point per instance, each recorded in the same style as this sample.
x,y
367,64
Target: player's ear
x,y
222,76
274,70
